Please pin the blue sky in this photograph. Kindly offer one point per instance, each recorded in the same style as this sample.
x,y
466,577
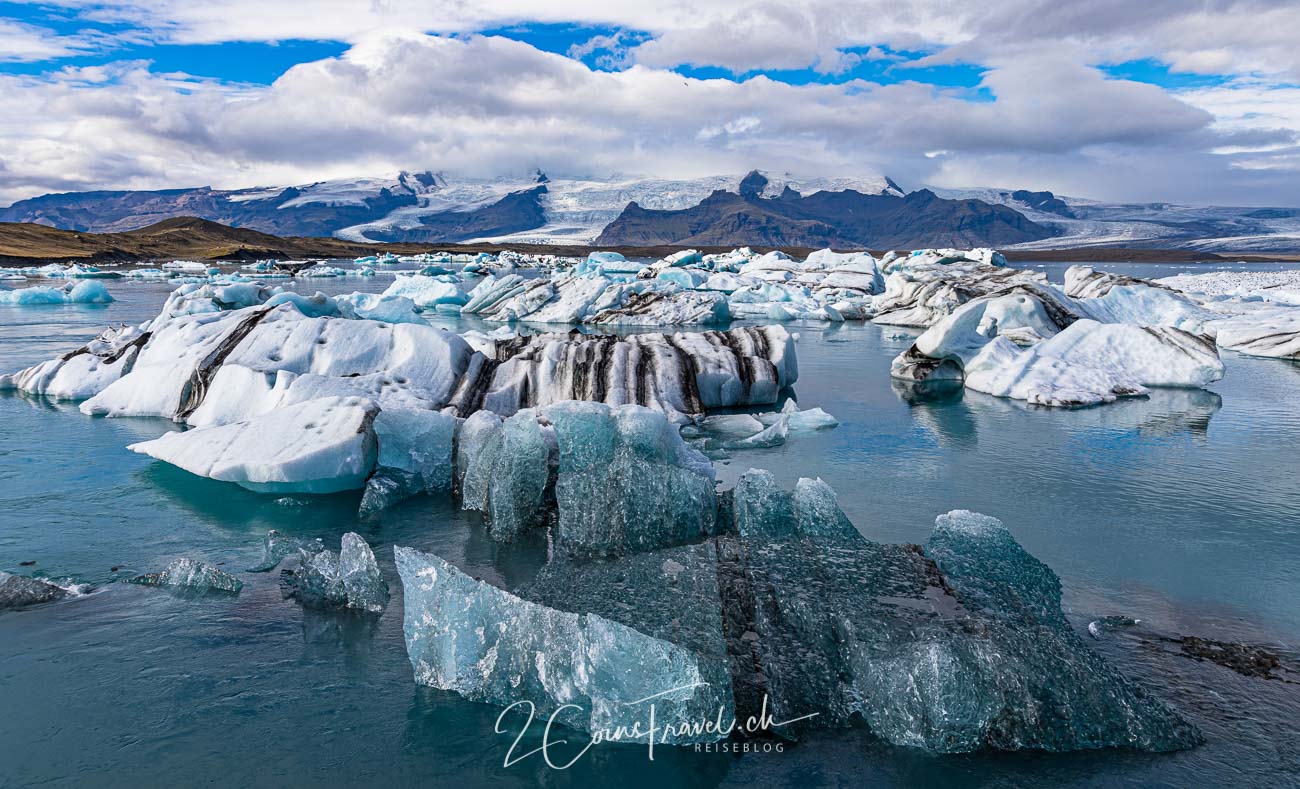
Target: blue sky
x,y
264,61
1163,100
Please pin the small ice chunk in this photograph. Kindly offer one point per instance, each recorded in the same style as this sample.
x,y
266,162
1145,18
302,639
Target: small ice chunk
x,y
1098,627
18,591
278,545
772,436
191,575
349,578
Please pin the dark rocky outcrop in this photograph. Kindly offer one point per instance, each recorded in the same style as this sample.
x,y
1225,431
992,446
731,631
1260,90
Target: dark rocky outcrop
x,y
845,219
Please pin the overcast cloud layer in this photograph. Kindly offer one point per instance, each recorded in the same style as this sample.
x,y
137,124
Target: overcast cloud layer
x,y
418,88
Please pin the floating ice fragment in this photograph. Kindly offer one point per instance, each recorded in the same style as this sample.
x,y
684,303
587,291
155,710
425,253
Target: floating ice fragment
x,y
278,545
489,645
191,575
84,292
17,591
773,435
349,578
1098,627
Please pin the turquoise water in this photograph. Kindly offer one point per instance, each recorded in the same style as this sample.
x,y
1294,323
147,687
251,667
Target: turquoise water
x,y
1181,510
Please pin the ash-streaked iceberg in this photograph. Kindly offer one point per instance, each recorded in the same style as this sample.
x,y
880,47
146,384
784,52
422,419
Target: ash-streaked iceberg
x,y
218,354
1071,360
82,373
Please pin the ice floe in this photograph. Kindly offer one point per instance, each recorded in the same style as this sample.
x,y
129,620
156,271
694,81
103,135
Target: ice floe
x,y
87,291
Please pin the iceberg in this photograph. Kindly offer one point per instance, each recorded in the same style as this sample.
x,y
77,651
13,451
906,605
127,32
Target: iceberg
x,y
1082,361
1271,333
192,576
617,479
957,647
378,307
17,591
954,647
414,456
87,291
490,645
519,476
349,578
626,481
84,372
320,446
223,353
426,292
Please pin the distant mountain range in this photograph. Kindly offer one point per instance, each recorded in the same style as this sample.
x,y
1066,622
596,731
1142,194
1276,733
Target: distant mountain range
x,y
758,209
842,220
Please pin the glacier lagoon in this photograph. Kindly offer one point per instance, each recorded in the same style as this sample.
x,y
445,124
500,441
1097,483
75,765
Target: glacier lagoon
x,y
1177,510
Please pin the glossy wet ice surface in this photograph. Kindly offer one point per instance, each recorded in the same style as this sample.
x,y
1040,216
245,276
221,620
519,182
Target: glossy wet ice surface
x,y
1180,510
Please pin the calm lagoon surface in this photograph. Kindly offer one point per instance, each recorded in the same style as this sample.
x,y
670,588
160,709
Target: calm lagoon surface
x,y
1181,510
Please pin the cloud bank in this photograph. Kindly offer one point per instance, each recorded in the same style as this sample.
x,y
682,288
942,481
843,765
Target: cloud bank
x,y
1045,112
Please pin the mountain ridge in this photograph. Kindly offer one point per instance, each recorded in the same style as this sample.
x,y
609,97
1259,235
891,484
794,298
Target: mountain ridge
x,y
825,219
574,211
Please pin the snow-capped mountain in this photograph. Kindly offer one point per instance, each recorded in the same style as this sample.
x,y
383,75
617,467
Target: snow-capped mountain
x,y
576,210
443,207
1079,222
525,208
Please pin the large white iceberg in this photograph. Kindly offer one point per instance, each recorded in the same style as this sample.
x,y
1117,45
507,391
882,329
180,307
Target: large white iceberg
x,y
320,446
1084,364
